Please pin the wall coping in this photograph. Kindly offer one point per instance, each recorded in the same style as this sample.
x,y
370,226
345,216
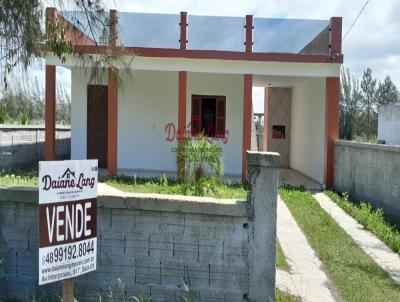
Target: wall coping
x,y
145,201
11,127
379,147
263,159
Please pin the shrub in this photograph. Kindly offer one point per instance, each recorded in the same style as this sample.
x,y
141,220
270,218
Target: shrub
x,y
23,118
3,115
200,156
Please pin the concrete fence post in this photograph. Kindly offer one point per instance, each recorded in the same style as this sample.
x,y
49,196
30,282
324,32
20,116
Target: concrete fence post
x,y
263,171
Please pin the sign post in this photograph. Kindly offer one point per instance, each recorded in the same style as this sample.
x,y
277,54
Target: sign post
x,y
67,221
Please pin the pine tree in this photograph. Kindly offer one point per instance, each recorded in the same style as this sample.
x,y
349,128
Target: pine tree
x,y
368,87
387,92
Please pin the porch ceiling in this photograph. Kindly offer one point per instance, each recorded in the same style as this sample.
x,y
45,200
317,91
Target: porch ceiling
x,y
277,81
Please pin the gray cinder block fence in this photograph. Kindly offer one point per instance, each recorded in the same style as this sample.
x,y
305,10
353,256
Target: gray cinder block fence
x,y
369,172
22,146
223,249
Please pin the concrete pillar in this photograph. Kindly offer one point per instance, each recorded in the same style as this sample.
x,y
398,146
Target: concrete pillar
x,y
263,171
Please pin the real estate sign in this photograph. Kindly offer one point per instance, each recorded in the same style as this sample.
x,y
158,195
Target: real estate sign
x,y
67,219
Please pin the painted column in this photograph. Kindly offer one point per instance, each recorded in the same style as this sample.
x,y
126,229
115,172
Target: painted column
x,y
182,98
50,113
332,126
265,130
332,102
50,99
247,99
112,103
112,148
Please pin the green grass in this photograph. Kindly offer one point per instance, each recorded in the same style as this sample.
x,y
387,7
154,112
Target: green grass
x,y
164,185
280,258
281,296
356,275
19,179
373,220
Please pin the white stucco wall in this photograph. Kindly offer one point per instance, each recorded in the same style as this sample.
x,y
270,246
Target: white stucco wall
x,y
79,80
389,123
148,101
230,86
307,145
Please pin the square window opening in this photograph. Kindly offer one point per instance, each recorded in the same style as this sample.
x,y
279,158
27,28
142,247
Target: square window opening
x,y
278,131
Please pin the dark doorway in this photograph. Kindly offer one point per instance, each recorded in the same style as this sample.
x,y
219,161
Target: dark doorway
x,y
97,123
208,116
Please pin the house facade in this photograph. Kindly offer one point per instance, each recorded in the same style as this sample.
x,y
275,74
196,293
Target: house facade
x,y
195,74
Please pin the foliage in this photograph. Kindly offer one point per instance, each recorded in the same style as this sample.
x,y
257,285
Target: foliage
x,y
368,86
187,297
200,157
24,38
23,118
356,275
56,40
373,220
164,185
281,296
19,178
23,102
358,104
281,261
3,114
121,295
350,102
20,33
387,92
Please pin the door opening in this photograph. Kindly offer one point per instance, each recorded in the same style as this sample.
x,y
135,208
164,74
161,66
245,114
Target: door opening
x,y
97,123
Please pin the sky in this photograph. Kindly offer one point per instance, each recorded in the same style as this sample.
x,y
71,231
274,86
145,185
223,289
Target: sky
x,y
374,40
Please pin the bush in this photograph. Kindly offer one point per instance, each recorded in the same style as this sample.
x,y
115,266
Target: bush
x,y
3,115
200,156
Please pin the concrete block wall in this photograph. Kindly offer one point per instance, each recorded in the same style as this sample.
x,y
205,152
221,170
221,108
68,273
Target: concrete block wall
x,y
224,250
22,146
369,172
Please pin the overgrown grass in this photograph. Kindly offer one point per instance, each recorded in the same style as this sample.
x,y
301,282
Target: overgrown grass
x,y
373,220
280,258
281,296
164,185
19,178
161,185
356,275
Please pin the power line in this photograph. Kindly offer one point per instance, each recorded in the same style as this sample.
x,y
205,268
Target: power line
x,y
355,20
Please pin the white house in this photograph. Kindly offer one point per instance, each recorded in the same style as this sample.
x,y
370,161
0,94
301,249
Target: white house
x,y
196,73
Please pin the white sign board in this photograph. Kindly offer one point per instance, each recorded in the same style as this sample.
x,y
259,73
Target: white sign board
x,y
67,219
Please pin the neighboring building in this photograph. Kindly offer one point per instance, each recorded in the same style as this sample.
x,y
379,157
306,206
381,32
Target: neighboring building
x,y
196,73
389,124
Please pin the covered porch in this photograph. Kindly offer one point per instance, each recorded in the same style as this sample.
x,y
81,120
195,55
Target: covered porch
x,y
147,116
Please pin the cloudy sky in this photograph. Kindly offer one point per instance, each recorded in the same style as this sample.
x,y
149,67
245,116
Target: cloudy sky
x,y
374,41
